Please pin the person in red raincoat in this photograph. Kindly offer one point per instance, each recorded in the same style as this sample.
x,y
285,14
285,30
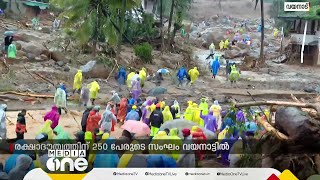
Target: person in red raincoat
x,y
93,120
199,138
122,113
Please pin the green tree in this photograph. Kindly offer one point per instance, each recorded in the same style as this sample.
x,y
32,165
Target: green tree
x,y
94,21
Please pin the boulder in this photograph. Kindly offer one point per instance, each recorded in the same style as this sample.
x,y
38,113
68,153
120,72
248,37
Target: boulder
x,y
298,125
27,37
44,57
214,37
46,30
36,50
98,71
31,56
21,53
157,91
18,46
66,69
243,46
58,56
230,54
38,59
60,63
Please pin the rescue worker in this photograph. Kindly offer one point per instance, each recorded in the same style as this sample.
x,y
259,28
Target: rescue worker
x,y
60,100
21,126
221,45
122,75
216,109
182,73
129,77
143,76
3,126
215,67
133,114
194,74
234,74
188,114
77,82
12,51
167,116
106,121
226,44
156,120
94,89
204,107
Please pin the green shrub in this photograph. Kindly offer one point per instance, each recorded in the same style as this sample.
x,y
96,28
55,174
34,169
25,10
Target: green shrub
x,y
144,52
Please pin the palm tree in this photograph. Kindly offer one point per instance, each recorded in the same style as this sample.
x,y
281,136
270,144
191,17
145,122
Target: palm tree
x,y
262,60
94,21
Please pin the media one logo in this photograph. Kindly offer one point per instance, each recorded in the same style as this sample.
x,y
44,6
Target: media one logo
x,y
296,6
60,160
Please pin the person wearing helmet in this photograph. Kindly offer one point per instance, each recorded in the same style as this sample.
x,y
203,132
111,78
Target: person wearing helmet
x,y
156,120
133,114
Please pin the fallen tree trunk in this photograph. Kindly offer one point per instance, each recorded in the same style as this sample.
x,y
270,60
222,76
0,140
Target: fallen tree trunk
x,y
29,95
27,108
272,130
46,79
280,103
311,112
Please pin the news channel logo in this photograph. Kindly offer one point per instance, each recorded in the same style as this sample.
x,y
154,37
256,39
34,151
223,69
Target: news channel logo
x,y
67,160
296,6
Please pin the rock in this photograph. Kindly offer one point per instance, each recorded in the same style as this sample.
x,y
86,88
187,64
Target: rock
x,y
243,46
309,89
36,50
230,54
298,125
44,57
18,46
26,37
214,37
98,71
66,69
60,63
24,58
266,43
21,53
256,43
46,30
31,56
157,91
58,56
38,59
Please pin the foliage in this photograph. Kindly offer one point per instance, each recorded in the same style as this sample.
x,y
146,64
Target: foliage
x,y
3,4
144,52
146,28
89,20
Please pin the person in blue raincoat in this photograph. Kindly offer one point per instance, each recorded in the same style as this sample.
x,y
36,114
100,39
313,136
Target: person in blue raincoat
x,y
122,74
215,67
160,161
182,73
133,114
106,158
11,161
259,28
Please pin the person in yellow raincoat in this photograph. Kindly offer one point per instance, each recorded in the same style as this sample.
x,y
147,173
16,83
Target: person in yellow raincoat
x,y
194,74
204,106
89,139
46,129
196,114
129,77
167,116
216,109
188,114
176,140
77,82
158,139
226,44
143,76
275,33
221,45
94,89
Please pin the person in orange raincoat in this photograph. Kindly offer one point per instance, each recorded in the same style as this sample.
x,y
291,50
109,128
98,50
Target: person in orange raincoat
x,y
93,120
198,137
122,113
